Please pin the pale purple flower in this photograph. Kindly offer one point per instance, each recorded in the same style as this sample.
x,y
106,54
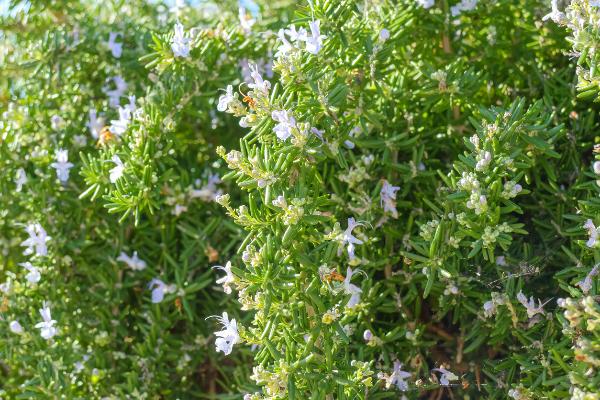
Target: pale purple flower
x,y
56,122
398,377
555,15
33,273
228,279
285,123
388,198
314,43
225,99
159,289
446,377
246,20
131,105
36,241
349,239
593,233
296,35
426,3
133,262
318,133
227,337
464,5
285,47
259,84
180,44
117,171
530,305
384,35
208,192
95,123
114,95
115,47
62,165
586,284
47,329
119,126
21,179
351,289
15,327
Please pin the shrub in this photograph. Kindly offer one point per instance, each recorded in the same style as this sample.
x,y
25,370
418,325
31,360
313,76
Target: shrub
x,y
314,200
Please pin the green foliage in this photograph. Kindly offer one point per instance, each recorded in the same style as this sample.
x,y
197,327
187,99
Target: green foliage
x,y
403,195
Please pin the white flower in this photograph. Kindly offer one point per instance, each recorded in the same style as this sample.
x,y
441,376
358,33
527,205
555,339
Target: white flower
x,y
511,189
79,365
62,165
489,308
180,44
483,160
464,5
532,309
349,239
119,126
227,337
117,171
501,261
131,105
586,283
478,203
398,377
555,15
516,394
318,133
351,289
94,124
596,165
228,279
593,232
286,122
246,20
388,198
21,179
115,47
280,202
208,192
6,287
47,329
178,6
446,377
179,209
36,241
225,99
114,95
286,46
259,84
33,275
426,3
384,35
15,327
296,35
367,335
133,262
159,289
314,43
56,122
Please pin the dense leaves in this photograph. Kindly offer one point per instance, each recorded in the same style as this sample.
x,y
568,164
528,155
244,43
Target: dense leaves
x,y
300,200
